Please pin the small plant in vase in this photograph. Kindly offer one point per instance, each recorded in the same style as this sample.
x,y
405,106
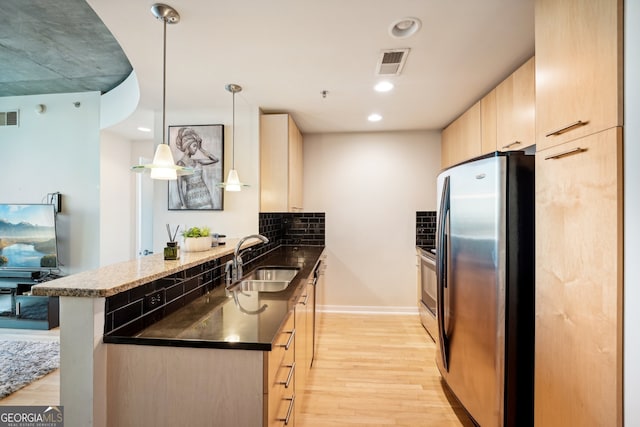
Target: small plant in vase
x,y
196,239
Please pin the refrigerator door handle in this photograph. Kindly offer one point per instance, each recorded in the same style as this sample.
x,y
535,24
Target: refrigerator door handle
x,y
441,268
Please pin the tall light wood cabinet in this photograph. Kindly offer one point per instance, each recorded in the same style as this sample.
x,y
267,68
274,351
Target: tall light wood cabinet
x,y
515,105
461,140
579,205
488,123
578,68
281,159
579,288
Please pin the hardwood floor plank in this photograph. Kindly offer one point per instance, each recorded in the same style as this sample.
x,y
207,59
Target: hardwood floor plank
x,y
376,370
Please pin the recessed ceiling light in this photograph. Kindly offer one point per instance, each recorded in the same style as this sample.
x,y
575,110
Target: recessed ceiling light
x,y
374,117
404,27
144,129
383,86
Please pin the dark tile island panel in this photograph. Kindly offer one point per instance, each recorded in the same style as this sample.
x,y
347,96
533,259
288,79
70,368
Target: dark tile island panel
x,y
133,310
426,229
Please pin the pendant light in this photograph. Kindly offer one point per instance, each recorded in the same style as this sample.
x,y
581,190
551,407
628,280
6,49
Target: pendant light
x,y
233,182
163,165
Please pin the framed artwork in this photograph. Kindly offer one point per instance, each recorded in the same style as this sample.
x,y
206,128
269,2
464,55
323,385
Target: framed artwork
x,y
200,147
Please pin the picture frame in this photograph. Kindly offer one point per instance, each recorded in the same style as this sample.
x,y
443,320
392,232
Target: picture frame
x,y
200,147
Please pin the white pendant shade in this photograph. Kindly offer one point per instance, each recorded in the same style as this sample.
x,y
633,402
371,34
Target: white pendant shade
x,y
233,182
163,166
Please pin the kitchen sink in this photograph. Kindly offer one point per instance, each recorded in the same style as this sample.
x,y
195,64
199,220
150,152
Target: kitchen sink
x,y
261,285
273,274
267,279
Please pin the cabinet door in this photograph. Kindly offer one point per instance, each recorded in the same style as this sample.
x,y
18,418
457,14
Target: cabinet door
x,y
515,99
462,138
311,318
301,345
295,167
578,68
488,122
446,142
281,157
578,342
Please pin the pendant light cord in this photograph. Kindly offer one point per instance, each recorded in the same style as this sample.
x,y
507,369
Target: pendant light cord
x,y
233,130
164,77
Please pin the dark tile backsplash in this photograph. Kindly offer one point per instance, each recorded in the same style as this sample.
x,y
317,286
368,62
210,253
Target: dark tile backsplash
x,y
426,229
131,311
298,228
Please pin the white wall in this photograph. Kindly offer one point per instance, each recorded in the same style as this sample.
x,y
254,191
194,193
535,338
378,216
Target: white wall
x,y
632,212
57,151
370,185
117,226
240,214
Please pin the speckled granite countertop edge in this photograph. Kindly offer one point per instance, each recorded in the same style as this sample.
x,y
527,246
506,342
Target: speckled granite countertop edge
x,y
115,278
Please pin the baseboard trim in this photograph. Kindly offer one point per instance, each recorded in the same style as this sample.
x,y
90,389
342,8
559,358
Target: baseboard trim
x,y
358,309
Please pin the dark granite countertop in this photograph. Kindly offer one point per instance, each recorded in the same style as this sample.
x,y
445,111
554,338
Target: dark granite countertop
x,y
218,320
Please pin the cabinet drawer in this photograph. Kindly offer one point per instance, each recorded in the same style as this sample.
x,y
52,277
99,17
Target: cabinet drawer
x,y
279,384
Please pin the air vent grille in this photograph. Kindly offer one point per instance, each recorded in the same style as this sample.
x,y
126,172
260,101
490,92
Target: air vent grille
x,y
9,118
391,62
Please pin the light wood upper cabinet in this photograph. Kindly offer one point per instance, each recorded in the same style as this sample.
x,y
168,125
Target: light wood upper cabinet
x,y
579,288
488,122
281,159
578,68
515,100
461,140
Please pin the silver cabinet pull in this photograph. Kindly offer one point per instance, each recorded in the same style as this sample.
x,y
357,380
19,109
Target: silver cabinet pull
x,y
289,341
306,299
566,153
511,144
291,400
292,369
567,128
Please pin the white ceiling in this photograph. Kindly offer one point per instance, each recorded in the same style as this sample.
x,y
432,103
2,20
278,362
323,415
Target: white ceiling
x,y
286,52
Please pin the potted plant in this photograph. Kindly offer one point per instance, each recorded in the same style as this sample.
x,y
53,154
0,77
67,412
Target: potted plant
x,y
196,239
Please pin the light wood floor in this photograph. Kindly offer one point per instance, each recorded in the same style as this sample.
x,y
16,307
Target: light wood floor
x,y
370,370
376,370
45,391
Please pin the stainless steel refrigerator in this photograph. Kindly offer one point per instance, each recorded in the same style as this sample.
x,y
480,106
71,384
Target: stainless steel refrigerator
x,y
485,269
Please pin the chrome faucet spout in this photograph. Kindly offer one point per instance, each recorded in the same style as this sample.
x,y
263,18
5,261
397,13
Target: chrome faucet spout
x,y
244,239
234,267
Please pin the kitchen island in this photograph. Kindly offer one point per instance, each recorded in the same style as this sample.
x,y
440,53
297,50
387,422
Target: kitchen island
x,y
92,372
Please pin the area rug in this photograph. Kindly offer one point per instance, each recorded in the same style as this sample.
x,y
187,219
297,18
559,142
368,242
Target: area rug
x,y
22,362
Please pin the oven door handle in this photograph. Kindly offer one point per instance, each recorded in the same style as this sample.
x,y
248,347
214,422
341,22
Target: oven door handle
x,y
441,270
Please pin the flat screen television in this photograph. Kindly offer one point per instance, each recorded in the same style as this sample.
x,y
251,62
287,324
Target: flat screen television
x,y
28,237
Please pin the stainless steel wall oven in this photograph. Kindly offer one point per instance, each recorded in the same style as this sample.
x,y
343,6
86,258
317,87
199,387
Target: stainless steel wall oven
x,y
428,291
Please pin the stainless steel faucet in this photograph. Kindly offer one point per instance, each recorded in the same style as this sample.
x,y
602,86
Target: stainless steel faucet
x,y
233,268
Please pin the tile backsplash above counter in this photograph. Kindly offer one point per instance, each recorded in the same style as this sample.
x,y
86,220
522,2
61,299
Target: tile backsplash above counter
x,y
426,229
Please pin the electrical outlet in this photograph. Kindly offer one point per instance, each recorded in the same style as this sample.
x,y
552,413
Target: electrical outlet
x,y
154,299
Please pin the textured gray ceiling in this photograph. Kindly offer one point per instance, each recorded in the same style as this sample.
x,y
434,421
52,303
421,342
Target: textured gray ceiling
x,y
56,46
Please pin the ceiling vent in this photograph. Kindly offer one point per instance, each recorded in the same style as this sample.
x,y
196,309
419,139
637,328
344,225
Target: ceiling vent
x,y
9,118
391,62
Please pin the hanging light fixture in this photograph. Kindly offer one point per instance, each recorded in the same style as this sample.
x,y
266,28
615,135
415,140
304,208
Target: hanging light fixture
x,y
163,165
233,182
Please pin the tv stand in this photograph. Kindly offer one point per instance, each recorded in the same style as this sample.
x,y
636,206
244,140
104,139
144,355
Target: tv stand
x,y
21,310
